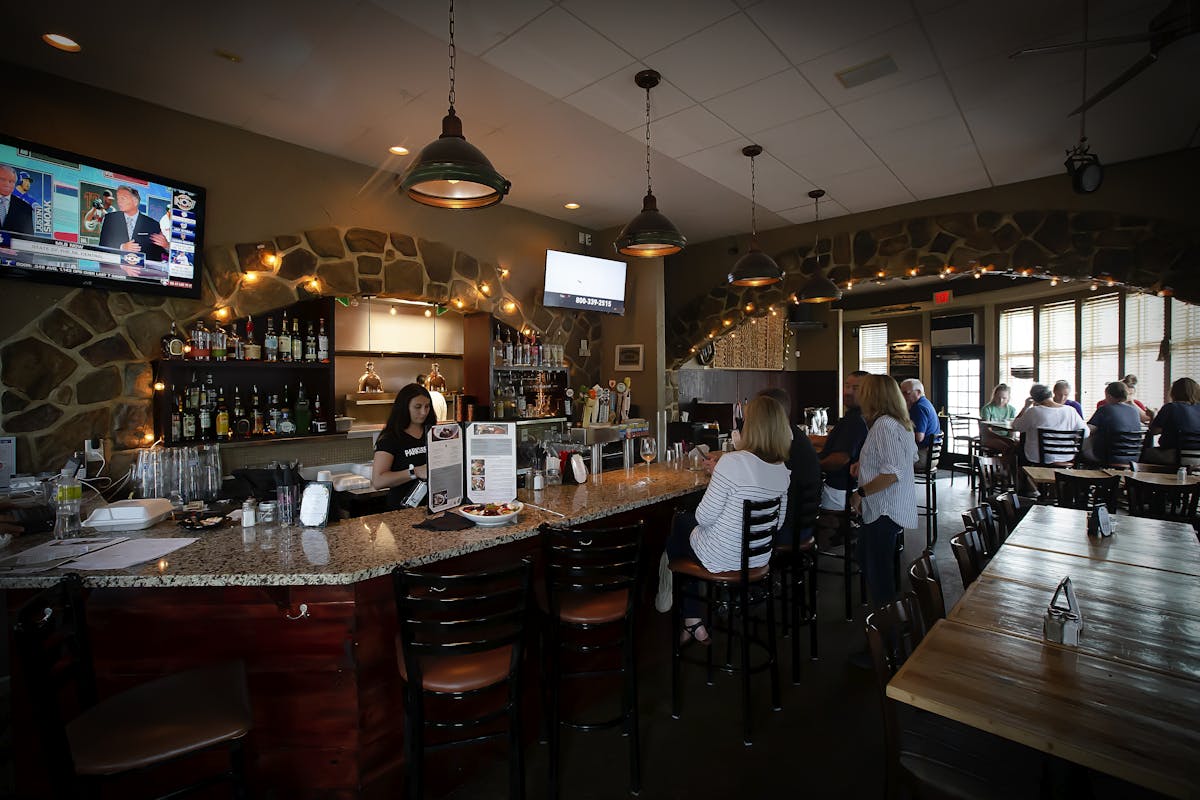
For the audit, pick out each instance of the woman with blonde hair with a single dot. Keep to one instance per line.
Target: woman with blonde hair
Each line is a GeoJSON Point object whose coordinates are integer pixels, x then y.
{"type": "Point", "coordinates": [712, 536]}
{"type": "Point", "coordinates": [885, 483]}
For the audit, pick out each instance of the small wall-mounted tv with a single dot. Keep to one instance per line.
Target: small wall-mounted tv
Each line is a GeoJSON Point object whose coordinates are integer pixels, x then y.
{"type": "Point", "coordinates": [585, 283]}
{"type": "Point", "coordinates": [80, 221]}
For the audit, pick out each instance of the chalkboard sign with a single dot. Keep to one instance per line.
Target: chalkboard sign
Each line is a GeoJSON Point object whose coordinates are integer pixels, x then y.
{"type": "Point", "coordinates": [904, 360]}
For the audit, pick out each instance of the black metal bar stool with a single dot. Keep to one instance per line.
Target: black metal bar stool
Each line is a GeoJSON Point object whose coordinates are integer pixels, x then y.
{"type": "Point", "coordinates": [591, 590]}
{"type": "Point", "coordinates": [926, 475]}
{"type": "Point", "coordinates": [797, 569]}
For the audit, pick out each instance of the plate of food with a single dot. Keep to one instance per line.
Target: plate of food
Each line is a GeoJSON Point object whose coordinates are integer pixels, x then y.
{"type": "Point", "coordinates": [199, 521]}
{"type": "Point", "coordinates": [487, 514]}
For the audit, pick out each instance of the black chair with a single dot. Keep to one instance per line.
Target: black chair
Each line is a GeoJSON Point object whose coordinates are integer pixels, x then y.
{"type": "Point", "coordinates": [149, 725]}
{"type": "Point", "coordinates": [971, 443]}
{"type": "Point", "coordinates": [796, 565]}
{"type": "Point", "coordinates": [591, 590]}
{"type": "Point", "coordinates": [926, 582]}
{"type": "Point", "coordinates": [1058, 447]}
{"type": "Point", "coordinates": [995, 476]}
{"type": "Point", "coordinates": [1124, 448]}
{"type": "Point", "coordinates": [1175, 503]}
{"type": "Point", "coordinates": [925, 475]}
{"type": "Point", "coordinates": [461, 637]}
{"type": "Point", "coordinates": [760, 522]}
{"type": "Point", "coordinates": [1188, 453]}
{"type": "Point", "coordinates": [983, 519]}
{"type": "Point", "coordinates": [893, 633]}
{"type": "Point", "coordinates": [971, 554]}
{"type": "Point", "coordinates": [839, 530]}
{"type": "Point", "coordinates": [1086, 493]}
{"type": "Point", "coordinates": [1010, 509]}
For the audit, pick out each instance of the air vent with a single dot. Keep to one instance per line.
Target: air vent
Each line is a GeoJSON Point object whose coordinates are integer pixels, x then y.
{"type": "Point", "coordinates": [865, 73]}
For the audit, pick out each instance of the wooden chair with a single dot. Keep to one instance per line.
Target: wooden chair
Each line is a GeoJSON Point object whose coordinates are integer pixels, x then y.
{"type": "Point", "coordinates": [1074, 491]}
{"type": "Point", "coordinates": [925, 475]}
{"type": "Point", "coordinates": [591, 586]}
{"type": "Point", "coordinates": [995, 476]}
{"type": "Point", "coordinates": [983, 519]}
{"type": "Point", "coordinates": [149, 725]}
{"type": "Point", "coordinates": [971, 554]}
{"type": "Point", "coordinates": [1177, 503]}
{"type": "Point", "coordinates": [927, 586]}
{"type": "Point", "coordinates": [760, 522]}
{"type": "Point", "coordinates": [461, 637]}
{"type": "Point", "coordinates": [1058, 448]}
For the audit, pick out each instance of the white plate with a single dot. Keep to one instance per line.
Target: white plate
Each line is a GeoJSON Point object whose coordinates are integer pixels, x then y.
{"type": "Point", "coordinates": [488, 522]}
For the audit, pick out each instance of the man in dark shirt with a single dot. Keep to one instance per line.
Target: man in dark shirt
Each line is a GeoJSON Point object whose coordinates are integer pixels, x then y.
{"type": "Point", "coordinates": [804, 491]}
{"type": "Point", "coordinates": [921, 412]}
{"type": "Point", "coordinates": [842, 446]}
{"type": "Point", "coordinates": [1117, 415]}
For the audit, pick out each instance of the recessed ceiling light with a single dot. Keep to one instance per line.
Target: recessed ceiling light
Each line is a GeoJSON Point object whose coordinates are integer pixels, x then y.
{"type": "Point", "coordinates": [62, 42]}
{"type": "Point", "coordinates": [398, 150]}
{"type": "Point", "coordinates": [571, 206]}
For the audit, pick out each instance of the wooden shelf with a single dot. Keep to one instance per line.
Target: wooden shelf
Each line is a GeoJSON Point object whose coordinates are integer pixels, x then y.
{"type": "Point", "coordinates": [391, 354]}
{"type": "Point", "coordinates": [184, 363]}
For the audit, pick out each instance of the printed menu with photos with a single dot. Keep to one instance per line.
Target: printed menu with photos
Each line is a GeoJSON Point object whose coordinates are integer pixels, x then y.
{"type": "Point", "coordinates": [445, 447]}
{"type": "Point", "coordinates": [491, 462]}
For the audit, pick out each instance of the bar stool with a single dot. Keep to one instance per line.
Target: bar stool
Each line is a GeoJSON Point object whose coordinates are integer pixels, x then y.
{"type": "Point", "coordinates": [797, 566]}
{"type": "Point", "coordinates": [149, 725]}
{"type": "Point", "coordinates": [926, 475]}
{"type": "Point", "coordinates": [760, 521]}
{"type": "Point", "coordinates": [591, 586]}
{"type": "Point", "coordinates": [461, 637]}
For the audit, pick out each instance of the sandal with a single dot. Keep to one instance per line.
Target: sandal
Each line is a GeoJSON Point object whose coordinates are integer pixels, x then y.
{"type": "Point", "coordinates": [690, 634]}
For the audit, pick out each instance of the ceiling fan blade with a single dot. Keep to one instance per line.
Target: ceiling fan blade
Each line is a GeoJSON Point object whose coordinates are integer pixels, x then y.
{"type": "Point", "coordinates": [1070, 46]}
{"type": "Point", "coordinates": [1122, 79]}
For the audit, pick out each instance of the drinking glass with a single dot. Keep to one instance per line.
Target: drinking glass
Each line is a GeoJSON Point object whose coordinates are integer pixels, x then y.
{"type": "Point", "coordinates": [649, 451]}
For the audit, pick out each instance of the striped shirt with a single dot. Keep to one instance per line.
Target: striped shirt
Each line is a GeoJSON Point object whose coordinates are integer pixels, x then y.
{"type": "Point", "coordinates": [738, 476]}
{"type": "Point", "coordinates": [889, 450]}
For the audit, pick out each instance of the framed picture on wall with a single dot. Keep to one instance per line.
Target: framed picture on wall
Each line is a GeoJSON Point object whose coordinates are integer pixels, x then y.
{"type": "Point", "coordinates": [628, 358]}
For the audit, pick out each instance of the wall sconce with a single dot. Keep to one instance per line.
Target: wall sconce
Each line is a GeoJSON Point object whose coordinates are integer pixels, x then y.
{"type": "Point", "coordinates": [263, 258]}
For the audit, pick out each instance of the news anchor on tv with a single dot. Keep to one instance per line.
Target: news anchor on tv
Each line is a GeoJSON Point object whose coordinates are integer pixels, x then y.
{"type": "Point", "coordinates": [15, 214]}
{"type": "Point", "coordinates": [131, 230]}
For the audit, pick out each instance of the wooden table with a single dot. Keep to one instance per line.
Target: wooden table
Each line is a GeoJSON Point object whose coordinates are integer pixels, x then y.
{"type": "Point", "coordinates": [1126, 700]}
{"type": "Point", "coordinates": [1045, 475]}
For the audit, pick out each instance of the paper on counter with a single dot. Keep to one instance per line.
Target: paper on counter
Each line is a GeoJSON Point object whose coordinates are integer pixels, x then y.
{"type": "Point", "coordinates": [52, 554]}
{"type": "Point", "coordinates": [128, 553]}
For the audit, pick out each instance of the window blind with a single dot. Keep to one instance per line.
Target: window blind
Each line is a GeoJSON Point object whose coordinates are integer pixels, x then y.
{"type": "Point", "coordinates": [1145, 316]}
{"type": "Point", "coordinates": [872, 348]}
{"type": "Point", "coordinates": [1016, 352]}
{"type": "Point", "coordinates": [1099, 348]}
{"type": "Point", "coordinates": [1185, 341]}
{"type": "Point", "coordinates": [1056, 344]}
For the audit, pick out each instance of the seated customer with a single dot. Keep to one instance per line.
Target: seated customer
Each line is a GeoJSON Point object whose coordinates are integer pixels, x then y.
{"type": "Point", "coordinates": [1042, 412]}
{"type": "Point", "coordinates": [712, 535]}
{"type": "Point", "coordinates": [1179, 417]}
{"type": "Point", "coordinates": [998, 409]}
{"type": "Point", "coordinates": [804, 491]}
{"type": "Point", "coordinates": [1130, 382]}
{"type": "Point", "coordinates": [1117, 415]}
{"type": "Point", "coordinates": [1062, 396]}
{"type": "Point", "coordinates": [924, 418]}
{"type": "Point", "coordinates": [842, 446]}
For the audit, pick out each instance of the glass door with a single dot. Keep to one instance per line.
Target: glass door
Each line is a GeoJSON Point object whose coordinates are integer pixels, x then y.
{"type": "Point", "coordinates": [958, 390]}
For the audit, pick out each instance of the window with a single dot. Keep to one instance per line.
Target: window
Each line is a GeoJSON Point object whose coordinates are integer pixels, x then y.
{"type": "Point", "coordinates": [1056, 344]}
{"type": "Point", "coordinates": [1100, 348]}
{"type": "Point", "coordinates": [1185, 341]}
{"type": "Point", "coordinates": [1016, 352]}
{"type": "Point", "coordinates": [1144, 317]}
{"type": "Point", "coordinates": [872, 349]}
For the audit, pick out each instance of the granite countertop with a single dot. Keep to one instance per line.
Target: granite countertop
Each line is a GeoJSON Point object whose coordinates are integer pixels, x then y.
{"type": "Point", "coordinates": [365, 547]}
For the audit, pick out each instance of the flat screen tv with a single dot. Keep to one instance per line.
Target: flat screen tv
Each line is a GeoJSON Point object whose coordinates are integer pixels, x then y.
{"type": "Point", "coordinates": [77, 220]}
{"type": "Point", "coordinates": [585, 283]}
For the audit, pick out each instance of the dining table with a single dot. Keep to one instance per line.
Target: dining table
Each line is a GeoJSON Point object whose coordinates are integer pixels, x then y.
{"type": "Point", "coordinates": [1044, 476]}
{"type": "Point", "coordinates": [1123, 701]}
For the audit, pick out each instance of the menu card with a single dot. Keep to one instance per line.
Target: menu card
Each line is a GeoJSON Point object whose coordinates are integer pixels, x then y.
{"type": "Point", "coordinates": [445, 447]}
{"type": "Point", "coordinates": [492, 461]}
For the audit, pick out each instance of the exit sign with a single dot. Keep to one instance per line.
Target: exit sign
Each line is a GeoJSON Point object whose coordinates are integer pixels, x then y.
{"type": "Point", "coordinates": [943, 297]}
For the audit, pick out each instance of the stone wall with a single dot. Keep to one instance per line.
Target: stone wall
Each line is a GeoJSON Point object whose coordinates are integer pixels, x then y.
{"type": "Point", "coordinates": [82, 368]}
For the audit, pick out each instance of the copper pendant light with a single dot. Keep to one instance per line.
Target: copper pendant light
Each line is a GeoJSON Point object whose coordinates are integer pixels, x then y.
{"type": "Point", "coordinates": [756, 268]}
{"type": "Point", "coordinates": [650, 234]}
{"type": "Point", "coordinates": [819, 288]}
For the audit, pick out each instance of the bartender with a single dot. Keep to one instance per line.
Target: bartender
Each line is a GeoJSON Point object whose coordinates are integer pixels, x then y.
{"type": "Point", "coordinates": [401, 455]}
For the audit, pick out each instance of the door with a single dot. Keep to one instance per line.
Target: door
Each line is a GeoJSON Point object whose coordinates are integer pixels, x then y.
{"type": "Point", "coordinates": [958, 389]}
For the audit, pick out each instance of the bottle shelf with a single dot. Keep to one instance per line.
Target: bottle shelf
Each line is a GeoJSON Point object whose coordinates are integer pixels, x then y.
{"type": "Point", "coordinates": [198, 365]}
{"type": "Point", "coordinates": [397, 354]}
{"type": "Point", "coordinates": [523, 368]}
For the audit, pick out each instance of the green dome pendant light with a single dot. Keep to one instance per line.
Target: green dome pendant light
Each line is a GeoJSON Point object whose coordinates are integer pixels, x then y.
{"type": "Point", "coordinates": [650, 234]}
{"type": "Point", "coordinates": [450, 172]}
{"type": "Point", "coordinates": [756, 268]}
{"type": "Point", "coordinates": [819, 288]}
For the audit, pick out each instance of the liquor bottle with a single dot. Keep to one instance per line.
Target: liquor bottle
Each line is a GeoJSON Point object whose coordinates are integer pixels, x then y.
{"type": "Point", "coordinates": [200, 342]}
{"type": "Point", "coordinates": [176, 434]}
{"type": "Point", "coordinates": [205, 413]}
{"type": "Point", "coordinates": [287, 420]}
{"type": "Point", "coordinates": [497, 349]}
{"type": "Point", "coordinates": [303, 413]}
{"type": "Point", "coordinates": [285, 341]}
{"type": "Point", "coordinates": [318, 425]}
{"type": "Point", "coordinates": [525, 352]}
{"type": "Point", "coordinates": [271, 343]}
{"type": "Point", "coordinates": [219, 339]}
{"type": "Point", "coordinates": [240, 422]}
{"type": "Point", "coordinates": [252, 348]}
{"type": "Point", "coordinates": [310, 344]}
{"type": "Point", "coordinates": [257, 428]}
{"type": "Point", "coordinates": [172, 345]}
{"type": "Point", "coordinates": [222, 417]}
{"type": "Point", "coordinates": [193, 395]}
{"type": "Point", "coordinates": [322, 344]}
{"type": "Point", "coordinates": [508, 349]}
{"type": "Point", "coordinates": [535, 352]}
{"type": "Point", "coordinates": [188, 429]}
{"type": "Point", "coordinates": [297, 342]}
{"type": "Point", "coordinates": [273, 416]}
{"type": "Point", "coordinates": [235, 350]}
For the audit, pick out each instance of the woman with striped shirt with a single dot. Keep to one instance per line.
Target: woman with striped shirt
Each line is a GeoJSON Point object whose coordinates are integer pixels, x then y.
{"type": "Point", "coordinates": [885, 483]}
{"type": "Point", "coordinates": [713, 535]}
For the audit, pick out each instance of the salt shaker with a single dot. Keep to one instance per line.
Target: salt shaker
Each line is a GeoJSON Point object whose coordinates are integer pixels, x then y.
{"type": "Point", "coordinates": [1181, 475]}
{"type": "Point", "coordinates": [249, 513]}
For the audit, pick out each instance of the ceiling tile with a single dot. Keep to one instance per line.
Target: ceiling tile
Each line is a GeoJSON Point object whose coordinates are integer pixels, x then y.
{"type": "Point", "coordinates": [901, 107]}
{"type": "Point", "coordinates": [806, 213]}
{"type": "Point", "coordinates": [905, 44]}
{"type": "Point", "coordinates": [875, 187]}
{"type": "Point", "coordinates": [768, 103]}
{"type": "Point", "coordinates": [558, 54]}
{"type": "Point", "coordinates": [805, 31]}
{"type": "Point", "coordinates": [943, 172]}
{"type": "Point", "coordinates": [725, 164]}
{"type": "Point", "coordinates": [818, 146]}
{"type": "Point", "coordinates": [618, 102]}
{"type": "Point", "coordinates": [690, 130]}
{"type": "Point", "coordinates": [478, 24]}
{"type": "Point", "coordinates": [745, 56]}
{"type": "Point", "coordinates": [642, 28]}
{"type": "Point", "coordinates": [779, 187]}
{"type": "Point", "coordinates": [928, 137]}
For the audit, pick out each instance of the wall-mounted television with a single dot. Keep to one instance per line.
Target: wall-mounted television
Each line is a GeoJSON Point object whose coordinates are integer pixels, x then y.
{"type": "Point", "coordinates": [585, 283]}
{"type": "Point", "coordinates": [80, 221]}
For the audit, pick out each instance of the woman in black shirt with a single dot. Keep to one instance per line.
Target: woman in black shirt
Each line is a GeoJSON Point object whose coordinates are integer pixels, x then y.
{"type": "Point", "coordinates": [401, 456]}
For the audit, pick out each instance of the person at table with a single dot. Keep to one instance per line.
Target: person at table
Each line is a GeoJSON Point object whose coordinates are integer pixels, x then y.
{"type": "Point", "coordinates": [998, 409]}
{"type": "Point", "coordinates": [885, 479]}
{"type": "Point", "coordinates": [1130, 382]}
{"type": "Point", "coordinates": [1176, 419]}
{"type": "Point", "coordinates": [401, 456]}
{"type": "Point", "coordinates": [804, 488]}
{"type": "Point", "coordinates": [1041, 411]}
{"type": "Point", "coordinates": [712, 535]}
{"type": "Point", "coordinates": [925, 424]}
{"type": "Point", "coordinates": [1062, 396]}
{"type": "Point", "coordinates": [1115, 415]}
{"type": "Point", "coordinates": [842, 446]}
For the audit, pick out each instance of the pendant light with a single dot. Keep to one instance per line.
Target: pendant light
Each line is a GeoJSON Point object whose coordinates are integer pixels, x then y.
{"type": "Point", "coordinates": [450, 172]}
{"type": "Point", "coordinates": [819, 288]}
{"type": "Point", "coordinates": [756, 268]}
{"type": "Point", "coordinates": [649, 234]}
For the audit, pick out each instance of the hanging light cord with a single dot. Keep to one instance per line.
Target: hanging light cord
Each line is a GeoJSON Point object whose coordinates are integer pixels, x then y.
{"type": "Point", "coordinates": [753, 203]}
{"type": "Point", "coordinates": [1083, 113]}
{"type": "Point", "coordinates": [816, 228]}
{"type": "Point", "coordinates": [368, 324]}
{"type": "Point", "coordinates": [452, 55]}
{"type": "Point", "coordinates": [649, 188]}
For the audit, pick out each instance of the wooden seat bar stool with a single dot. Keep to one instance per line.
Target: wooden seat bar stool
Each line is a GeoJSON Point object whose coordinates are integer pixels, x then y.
{"type": "Point", "coordinates": [461, 637]}
{"type": "Point", "coordinates": [760, 521]}
{"type": "Point", "coordinates": [591, 590]}
{"type": "Point", "coordinates": [146, 726]}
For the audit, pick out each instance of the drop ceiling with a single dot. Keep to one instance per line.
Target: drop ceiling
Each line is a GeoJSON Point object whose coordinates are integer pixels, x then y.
{"type": "Point", "coordinates": [546, 90]}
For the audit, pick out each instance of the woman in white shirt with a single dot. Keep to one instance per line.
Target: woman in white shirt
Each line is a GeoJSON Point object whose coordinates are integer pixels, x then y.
{"type": "Point", "coordinates": [885, 483]}
{"type": "Point", "coordinates": [713, 535]}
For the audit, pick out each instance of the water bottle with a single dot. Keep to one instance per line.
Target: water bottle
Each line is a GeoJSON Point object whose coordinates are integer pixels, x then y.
{"type": "Point", "coordinates": [67, 499]}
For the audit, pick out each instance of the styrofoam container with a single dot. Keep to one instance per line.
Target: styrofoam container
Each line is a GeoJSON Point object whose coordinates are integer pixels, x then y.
{"type": "Point", "coordinates": [129, 515]}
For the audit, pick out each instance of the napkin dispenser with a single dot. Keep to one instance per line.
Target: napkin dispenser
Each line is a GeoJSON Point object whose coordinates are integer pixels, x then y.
{"type": "Point", "coordinates": [1063, 625]}
{"type": "Point", "coordinates": [1100, 522]}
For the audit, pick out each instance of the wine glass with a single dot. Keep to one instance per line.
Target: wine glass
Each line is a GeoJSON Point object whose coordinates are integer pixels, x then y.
{"type": "Point", "coordinates": [649, 451]}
